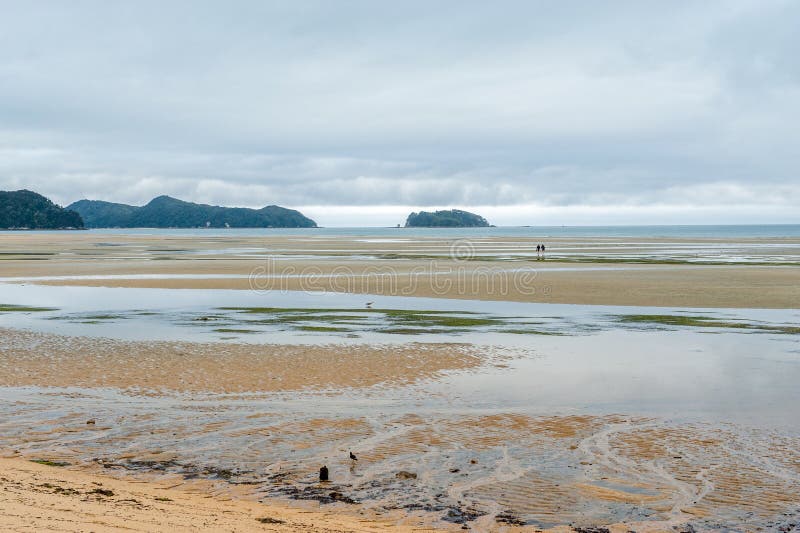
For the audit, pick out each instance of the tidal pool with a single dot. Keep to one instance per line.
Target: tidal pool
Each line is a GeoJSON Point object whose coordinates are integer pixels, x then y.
{"type": "Point", "coordinates": [315, 317]}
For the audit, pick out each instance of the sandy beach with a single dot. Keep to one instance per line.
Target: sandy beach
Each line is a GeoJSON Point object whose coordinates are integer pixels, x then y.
{"type": "Point", "coordinates": [680, 473]}
{"type": "Point", "coordinates": [45, 498]}
{"type": "Point", "coordinates": [355, 267]}
{"type": "Point", "coordinates": [472, 403]}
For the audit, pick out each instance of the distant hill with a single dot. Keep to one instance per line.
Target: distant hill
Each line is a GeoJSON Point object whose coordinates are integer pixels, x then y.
{"type": "Point", "coordinates": [29, 210]}
{"type": "Point", "coordinates": [97, 214]}
{"type": "Point", "coordinates": [452, 218]}
{"type": "Point", "coordinates": [168, 212]}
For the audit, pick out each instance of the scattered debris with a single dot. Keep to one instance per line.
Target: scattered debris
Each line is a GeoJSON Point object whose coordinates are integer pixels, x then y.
{"type": "Point", "coordinates": [462, 516]}
{"type": "Point", "coordinates": [269, 520]}
{"type": "Point", "coordinates": [321, 494]}
{"type": "Point", "coordinates": [508, 517]}
{"type": "Point", "coordinates": [48, 462]}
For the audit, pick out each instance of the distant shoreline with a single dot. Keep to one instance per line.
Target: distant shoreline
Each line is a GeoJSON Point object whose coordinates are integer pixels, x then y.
{"type": "Point", "coordinates": [697, 231]}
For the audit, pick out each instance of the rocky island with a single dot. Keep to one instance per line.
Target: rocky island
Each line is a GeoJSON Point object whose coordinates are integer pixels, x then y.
{"type": "Point", "coordinates": [451, 218]}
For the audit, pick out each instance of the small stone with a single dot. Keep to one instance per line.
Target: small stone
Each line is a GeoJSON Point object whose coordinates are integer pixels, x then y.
{"type": "Point", "coordinates": [403, 474]}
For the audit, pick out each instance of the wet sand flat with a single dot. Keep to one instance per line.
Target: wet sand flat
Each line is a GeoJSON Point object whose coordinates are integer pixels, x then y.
{"type": "Point", "coordinates": [37, 359]}
{"type": "Point", "coordinates": [721, 287]}
{"type": "Point", "coordinates": [595, 417]}
{"type": "Point", "coordinates": [46, 498]}
{"type": "Point", "coordinates": [508, 471]}
{"type": "Point", "coordinates": [759, 273]}
{"type": "Point", "coordinates": [538, 448]}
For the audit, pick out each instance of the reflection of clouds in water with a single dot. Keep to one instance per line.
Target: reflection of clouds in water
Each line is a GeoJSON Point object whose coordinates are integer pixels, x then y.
{"type": "Point", "coordinates": [480, 437]}
{"type": "Point", "coordinates": [167, 314]}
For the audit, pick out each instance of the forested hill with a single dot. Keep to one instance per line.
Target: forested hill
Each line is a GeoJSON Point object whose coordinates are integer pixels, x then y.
{"type": "Point", "coordinates": [29, 210]}
{"type": "Point", "coordinates": [452, 218]}
{"type": "Point", "coordinates": [167, 212]}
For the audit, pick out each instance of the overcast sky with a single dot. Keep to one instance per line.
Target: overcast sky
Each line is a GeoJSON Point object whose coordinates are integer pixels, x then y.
{"type": "Point", "coordinates": [358, 112]}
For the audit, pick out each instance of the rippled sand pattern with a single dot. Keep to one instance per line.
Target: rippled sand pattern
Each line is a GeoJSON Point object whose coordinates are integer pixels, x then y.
{"type": "Point", "coordinates": [546, 501]}
{"type": "Point", "coordinates": [489, 470]}
{"type": "Point", "coordinates": [588, 470]}
{"type": "Point", "coordinates": [306, 434]}
{"type": "Point", "coordinates": [482, 433]}
{"type": "Point", "coordinates": [46, 360]}
{"type": "Point", "coordinates": [725, 475]}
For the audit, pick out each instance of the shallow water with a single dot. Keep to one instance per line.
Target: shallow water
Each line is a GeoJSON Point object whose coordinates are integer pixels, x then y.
{"type": "Point", "coordinates": [197, 315]}
{"type": "Point", "coordinates": [576, 358]}
{"type": "Point", "coordinates": [519, 444]}
{"type": "Point", "coordinates": [605, 422]}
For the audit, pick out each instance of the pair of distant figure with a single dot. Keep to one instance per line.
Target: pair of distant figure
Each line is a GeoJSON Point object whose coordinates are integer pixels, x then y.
{"type": "Point", "coordinates": [540, 251]}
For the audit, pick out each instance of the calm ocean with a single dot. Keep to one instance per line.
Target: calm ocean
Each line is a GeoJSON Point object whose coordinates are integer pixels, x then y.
{"type": "Point", "coordinates": [721, 231]}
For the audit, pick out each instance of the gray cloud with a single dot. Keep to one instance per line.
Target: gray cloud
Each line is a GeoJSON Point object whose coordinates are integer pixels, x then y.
{"type": "Point", "coordinates": [574, 109]}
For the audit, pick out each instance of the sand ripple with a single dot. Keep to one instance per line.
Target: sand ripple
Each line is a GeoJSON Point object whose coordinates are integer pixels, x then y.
{"type": "Point", "coordinates": [46, 360]}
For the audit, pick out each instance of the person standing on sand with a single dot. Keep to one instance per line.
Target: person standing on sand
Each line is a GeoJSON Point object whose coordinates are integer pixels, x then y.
{"type": "Point", "coordinates": [538, 250]}
{"type": "Point", "coordinates": [542, 251]}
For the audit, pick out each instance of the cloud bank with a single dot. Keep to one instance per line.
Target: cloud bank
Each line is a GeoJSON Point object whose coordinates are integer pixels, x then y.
{"type": "Point", "coordinates": [357, 112]}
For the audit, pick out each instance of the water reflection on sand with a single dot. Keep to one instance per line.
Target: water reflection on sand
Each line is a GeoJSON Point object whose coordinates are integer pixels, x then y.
{"type": "Point", "coordinates": [601, 423]}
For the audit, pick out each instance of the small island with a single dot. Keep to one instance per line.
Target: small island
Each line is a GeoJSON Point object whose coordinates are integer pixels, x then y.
{"type": "Point", "coordinates": [450, 218]}
{"type": "Point", "coordinates": [28, 210]}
